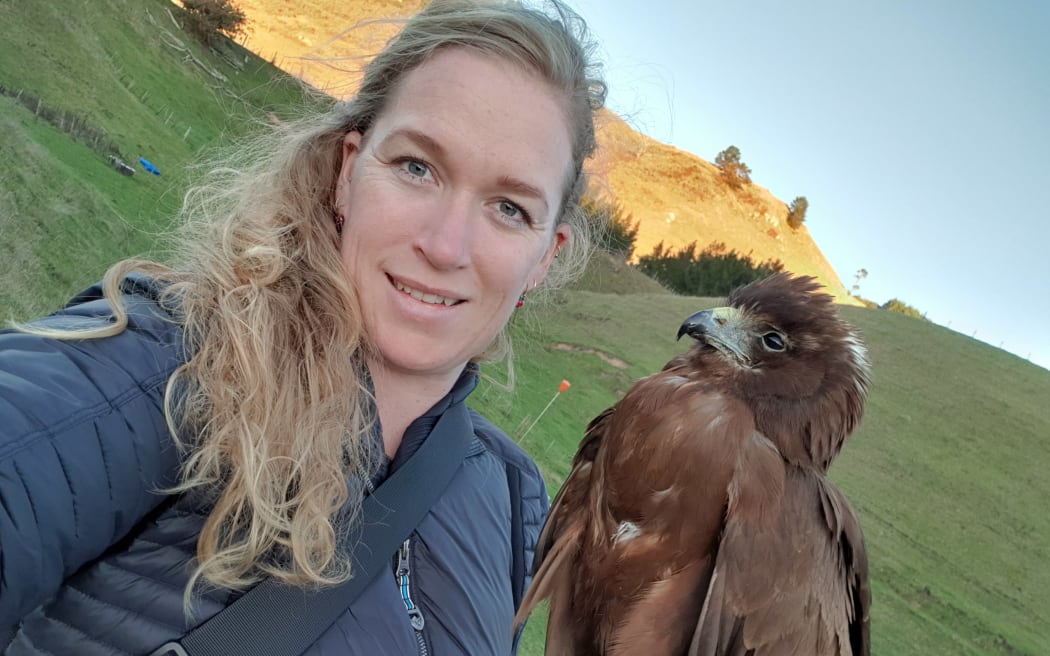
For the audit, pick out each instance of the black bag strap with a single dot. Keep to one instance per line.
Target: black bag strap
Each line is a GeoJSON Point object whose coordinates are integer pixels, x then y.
{"type": "Point", "coordinates": [283, 620]}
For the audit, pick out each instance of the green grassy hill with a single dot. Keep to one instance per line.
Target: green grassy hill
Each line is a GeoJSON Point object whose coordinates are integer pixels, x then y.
{"type": "Point", "coordinates": [947, 470]}
{"type": "Point", "coordinates": [122, 68]}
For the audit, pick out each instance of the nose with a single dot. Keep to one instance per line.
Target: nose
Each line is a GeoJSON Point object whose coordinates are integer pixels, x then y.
{"type": "Point", "coordinates": [446, 234]}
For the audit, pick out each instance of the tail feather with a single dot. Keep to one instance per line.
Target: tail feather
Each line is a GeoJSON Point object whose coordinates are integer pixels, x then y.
{"type": "Point", "coordinates": [553, 572]}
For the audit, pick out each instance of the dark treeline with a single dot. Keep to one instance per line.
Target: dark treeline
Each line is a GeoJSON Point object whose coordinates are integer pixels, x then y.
{"type": "Point", "coordinates": [713, 271]}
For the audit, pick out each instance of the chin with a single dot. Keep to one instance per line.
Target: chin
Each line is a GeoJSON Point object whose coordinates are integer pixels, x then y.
{"type": "Point", "coordinates": [423, 362]}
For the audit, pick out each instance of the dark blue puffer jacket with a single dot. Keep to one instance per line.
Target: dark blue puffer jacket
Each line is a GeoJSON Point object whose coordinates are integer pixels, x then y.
{"type": "Point", "coordinates": [94, 561]}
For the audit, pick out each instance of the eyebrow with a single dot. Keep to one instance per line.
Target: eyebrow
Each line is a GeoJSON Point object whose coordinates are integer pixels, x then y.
{"type": "Point", "coordinates": [525, 189]}
{"type": "Point", "coordinates": [421, 139]}
{"type": "Point", "coordinates": [431, 145]}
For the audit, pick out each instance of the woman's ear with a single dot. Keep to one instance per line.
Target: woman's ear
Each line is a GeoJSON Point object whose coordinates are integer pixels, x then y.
{"type": "Point", "coordinates": [562, 234]}
{"type": "Point", "coordinates": [351, 147]}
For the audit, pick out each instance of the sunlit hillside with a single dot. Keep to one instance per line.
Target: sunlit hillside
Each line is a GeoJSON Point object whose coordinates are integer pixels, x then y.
{"type": "Point", "coordinates": [676, 196]}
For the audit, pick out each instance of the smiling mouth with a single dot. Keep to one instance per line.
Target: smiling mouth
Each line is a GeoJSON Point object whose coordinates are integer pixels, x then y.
{"type": "Point", "coordinates": [431, 299]}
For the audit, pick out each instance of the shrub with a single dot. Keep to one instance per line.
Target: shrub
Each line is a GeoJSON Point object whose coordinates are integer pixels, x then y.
{"type": "Point", "coordinates": [734, 172]}
{"type": "Point", "coordinates": [797, 212]}
{"type": "Point", "coordinates": [210, 20]}
{"type": "Point", "coordinates": [897, 305]}
{"type": "Point", "coordinates": [714, 271]}
{"type": "Point", "coordinates": [614, 232]}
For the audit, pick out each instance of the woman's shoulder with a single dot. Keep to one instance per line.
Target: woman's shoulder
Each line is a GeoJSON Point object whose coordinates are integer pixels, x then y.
{"type": "Point", "coordinates": [49, 371]}
{"type": "Point", "coordinates": [527, 487]}
{"type": "Point", "coordinates": [141, 296]}
{"type": "Point", "coordinates": [85, 445]}
{"type": "Point", "coordinates": [499, 443]}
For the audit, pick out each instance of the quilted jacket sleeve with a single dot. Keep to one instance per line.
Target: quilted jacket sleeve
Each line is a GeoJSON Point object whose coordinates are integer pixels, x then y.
{"type": "Point", "coordinates": [530, 502]}
{"type": "Point", "coordinates": [83, 442]}
{"type": "Point", "coordinates": [524, 475]}
{"type": "Point", "coordinates": [535, 503]}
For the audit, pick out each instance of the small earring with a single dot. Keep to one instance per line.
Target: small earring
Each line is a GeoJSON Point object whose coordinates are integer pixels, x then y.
{"type": "Point", "coordinates": [521, 300]}
{"type": "Point", "coordinates": [339, 221]}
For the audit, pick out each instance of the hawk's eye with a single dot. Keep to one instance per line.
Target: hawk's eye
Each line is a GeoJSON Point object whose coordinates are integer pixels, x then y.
{"type": "Point", "coordinates": [773, 341]}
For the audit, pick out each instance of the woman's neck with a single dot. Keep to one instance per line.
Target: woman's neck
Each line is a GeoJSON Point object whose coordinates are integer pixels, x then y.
{"type": "Point", "coordinates": [401, 397]}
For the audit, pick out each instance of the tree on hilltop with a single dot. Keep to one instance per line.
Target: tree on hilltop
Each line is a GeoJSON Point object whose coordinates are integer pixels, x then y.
{"type": "Point", "coordinates": [210, 20]}
{"type": "Point", "coordinates": [735, 172]}
{"type": "Point", "coordinates": [857, 277]}
{"type": "Point", "coordinates": [797, 212]}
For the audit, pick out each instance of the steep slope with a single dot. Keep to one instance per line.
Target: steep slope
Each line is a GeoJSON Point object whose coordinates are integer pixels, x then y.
{"type": "Point", "coordinates": [679, 198]}
{"type": "Point", "coordinates": [676, 196]}
{"type": "Point", "coordinates": [122, 78]}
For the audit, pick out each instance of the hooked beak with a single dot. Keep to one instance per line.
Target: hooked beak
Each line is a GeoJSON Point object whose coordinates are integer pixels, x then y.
{"type": "Point", "coordinates": [706, 322]}
{"type": "Point", "coordinates": [721, 328]}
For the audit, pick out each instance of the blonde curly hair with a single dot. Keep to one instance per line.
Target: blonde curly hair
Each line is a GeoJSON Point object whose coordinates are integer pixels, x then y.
{"type": "Point", "coordinates": [272, 408]}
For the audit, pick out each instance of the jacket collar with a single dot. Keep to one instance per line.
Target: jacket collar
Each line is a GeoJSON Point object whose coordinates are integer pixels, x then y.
{"type": "Point", "coordinates": [421, 427]}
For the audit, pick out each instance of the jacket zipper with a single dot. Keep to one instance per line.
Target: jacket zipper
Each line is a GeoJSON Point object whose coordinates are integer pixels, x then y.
{"type": "Point", "coordinates": [415, 615]}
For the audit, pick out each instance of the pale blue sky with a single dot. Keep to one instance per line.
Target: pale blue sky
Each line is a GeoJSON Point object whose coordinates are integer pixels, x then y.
{"type": "Point", "coordinates": [918, 131]}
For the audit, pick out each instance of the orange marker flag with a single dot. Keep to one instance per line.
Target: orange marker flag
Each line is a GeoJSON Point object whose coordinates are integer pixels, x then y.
{"type": "Point", "coordinates": [561, 388]}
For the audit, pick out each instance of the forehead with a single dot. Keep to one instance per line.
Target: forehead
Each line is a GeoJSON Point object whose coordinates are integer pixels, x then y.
{"type": "Point", "coordinates": [460, 66]}
{"type": "Point", "coordinates": [485, 104]}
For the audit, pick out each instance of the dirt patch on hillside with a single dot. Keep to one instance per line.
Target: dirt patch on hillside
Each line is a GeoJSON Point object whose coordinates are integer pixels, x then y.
{"type": "Point", "coordinates": [602, 355]}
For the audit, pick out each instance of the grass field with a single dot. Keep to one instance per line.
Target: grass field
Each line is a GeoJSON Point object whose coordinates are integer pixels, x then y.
{"type": "Point", "coordinates": [65, 213]}
{"type": "Point", "coordinates": [947, 471]}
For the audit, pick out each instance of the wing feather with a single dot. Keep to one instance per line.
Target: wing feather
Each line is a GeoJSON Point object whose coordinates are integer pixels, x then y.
{"type": "Point", "coordinates": [559, 543]}
{"type": "Point", "coordinates": [660, 578]}
{"type": "Point", "coordinates": [789, 583]}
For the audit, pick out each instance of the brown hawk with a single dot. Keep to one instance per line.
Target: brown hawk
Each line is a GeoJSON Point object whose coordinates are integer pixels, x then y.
{"type": "Point", "coordinates": [698, 517]}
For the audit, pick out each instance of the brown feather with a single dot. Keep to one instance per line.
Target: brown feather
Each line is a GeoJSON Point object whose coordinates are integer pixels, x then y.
{"type": "Point", "coordinates": [697, 517]}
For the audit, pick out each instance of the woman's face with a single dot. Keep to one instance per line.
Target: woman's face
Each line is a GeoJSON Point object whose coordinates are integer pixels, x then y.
{"type": "Point", "coordinates": [451, 202]}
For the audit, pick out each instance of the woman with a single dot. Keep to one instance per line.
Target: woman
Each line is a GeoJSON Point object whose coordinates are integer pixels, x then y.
{"type": "Point", "coordinates": [331, 301]}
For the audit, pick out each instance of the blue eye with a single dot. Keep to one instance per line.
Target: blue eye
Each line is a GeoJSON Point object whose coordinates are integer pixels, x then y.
{"type": "Point", "coordinates": [514, 213]}
{"type": "Point", "coordinates": [415, 168]}
{"type": "Point", "coordinates": [510, 209]}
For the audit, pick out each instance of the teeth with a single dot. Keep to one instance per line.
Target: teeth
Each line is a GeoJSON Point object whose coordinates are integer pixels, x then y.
{"type": "Point", "coordinates": [432, 299]}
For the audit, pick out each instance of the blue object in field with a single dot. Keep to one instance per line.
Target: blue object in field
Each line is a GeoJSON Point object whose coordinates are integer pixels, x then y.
{"type": "Point", "coordinates": [148, 165]}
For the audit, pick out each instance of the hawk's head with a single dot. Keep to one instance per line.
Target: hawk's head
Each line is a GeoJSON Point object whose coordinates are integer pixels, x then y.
{"type": "Point", "coordinates": [782, 347]}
